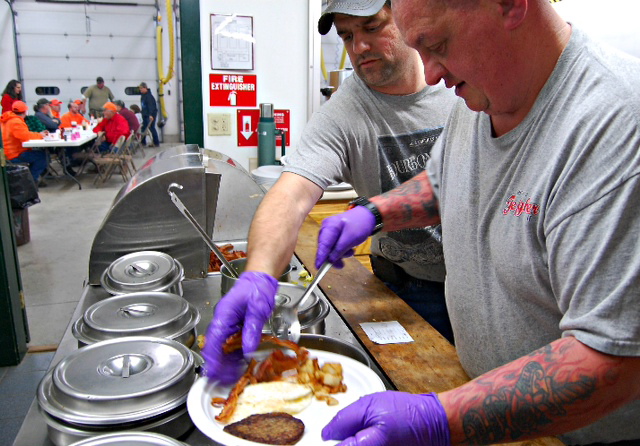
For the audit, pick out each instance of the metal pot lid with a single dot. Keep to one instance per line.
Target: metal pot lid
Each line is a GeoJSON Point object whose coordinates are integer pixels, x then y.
{"type": "Point", "coordinates": [142, 271]}
{"type": "Point", "coordinates": [130, 439]}
{"type": "Point", "coordinates": [287, 291]}
{"type": "Point", "coordinates": [118, 381]}
{"type": "Point", "coordinates": [160, 314]}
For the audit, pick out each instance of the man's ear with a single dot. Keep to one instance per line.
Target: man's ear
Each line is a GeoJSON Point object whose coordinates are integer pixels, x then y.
{"type": "Point", "coordinates": [513, 12]}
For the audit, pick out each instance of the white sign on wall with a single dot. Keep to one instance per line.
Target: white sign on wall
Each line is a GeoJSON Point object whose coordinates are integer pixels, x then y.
{"type": "Point", "coordinates": [231, 42]}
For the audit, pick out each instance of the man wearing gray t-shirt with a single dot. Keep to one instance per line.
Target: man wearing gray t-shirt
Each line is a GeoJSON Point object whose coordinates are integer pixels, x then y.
{"type": "Point", "coordinates": [535, 180]}
{"type": "Point", "coordinates": [375, 132]}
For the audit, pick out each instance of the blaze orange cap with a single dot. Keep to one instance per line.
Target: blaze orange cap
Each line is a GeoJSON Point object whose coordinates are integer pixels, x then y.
{"type": "Point", "coordinates": [78, 101]}
{"type": "Point", "coordinates": [110, 106]}
{"type": "Point", "coordinates": [19, 107]}
{"type": "Point", "coordinates": [55, 102]}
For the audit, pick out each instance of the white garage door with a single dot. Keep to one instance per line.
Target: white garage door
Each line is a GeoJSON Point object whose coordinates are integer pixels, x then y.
{"type": "Point", "coordinates": [64, 46]}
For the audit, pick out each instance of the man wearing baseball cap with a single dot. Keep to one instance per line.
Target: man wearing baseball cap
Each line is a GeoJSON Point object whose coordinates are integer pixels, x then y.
{"type": "Point", "coordinates": [55, 107]}
{"type": "Point", "coordinates": [14, 133]}
{"type": "Point", "coordinates": [113, 125]}
{"type": "Point", "coordinates": [375, 132]}
{"type": "Point", "coordinates": [98, 95]}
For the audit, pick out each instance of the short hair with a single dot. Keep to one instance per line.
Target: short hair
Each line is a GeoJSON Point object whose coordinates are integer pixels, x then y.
{"type": "Point", "coordinates": [119, 103]}
{"type": "Point", "coordinates": [99, 80]}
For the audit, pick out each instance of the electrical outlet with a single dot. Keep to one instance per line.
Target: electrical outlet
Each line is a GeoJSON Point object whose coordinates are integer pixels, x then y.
{"type": "Point", "coordinates": [219, 124]}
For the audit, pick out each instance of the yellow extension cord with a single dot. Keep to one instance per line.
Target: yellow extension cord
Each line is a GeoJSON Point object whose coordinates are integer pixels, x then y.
{"type": "Point", "coordinates": [165, 78]}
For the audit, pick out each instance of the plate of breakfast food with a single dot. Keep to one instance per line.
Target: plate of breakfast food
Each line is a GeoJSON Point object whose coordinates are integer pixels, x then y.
{"type": "Point", "coordinates": [284, 397]}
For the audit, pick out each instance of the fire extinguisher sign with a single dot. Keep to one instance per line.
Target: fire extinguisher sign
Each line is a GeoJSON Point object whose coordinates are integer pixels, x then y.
{"type": "Point", "coordinates": [233, 90]}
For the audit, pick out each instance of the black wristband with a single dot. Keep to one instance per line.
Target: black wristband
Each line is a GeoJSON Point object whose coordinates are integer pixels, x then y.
{"type": "Point", "coordinates": [364, 201]}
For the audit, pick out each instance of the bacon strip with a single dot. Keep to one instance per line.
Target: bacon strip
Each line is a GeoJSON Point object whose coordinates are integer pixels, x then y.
{"type": "Point", "coordinates": [272, 368]}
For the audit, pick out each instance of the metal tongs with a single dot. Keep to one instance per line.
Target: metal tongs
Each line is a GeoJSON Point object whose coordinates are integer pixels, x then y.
{"type": "Point", "coordinates": [284, 322]}
{"type": "Point", "coordinates": [184, 211]}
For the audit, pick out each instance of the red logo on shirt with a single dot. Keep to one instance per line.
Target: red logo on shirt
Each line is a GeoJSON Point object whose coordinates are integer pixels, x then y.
{"type": "Point", "coordinates": [521, 206]}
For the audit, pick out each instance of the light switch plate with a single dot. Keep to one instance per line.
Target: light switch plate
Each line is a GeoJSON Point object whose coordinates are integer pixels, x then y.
{"type": "Point", "coordinates": [219, 124]}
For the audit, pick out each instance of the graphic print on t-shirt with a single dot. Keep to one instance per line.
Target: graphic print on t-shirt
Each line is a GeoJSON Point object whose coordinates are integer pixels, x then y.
{"type": "Point", "coordinates": [401, 158]}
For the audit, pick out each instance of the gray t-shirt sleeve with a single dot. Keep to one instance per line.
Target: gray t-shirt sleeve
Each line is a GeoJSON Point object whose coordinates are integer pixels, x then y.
{"type": "Point", "coordinates": [323, 160]}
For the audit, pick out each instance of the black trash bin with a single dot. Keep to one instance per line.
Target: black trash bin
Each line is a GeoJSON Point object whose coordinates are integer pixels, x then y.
{"type": "Point", "coordinates": [23, 194]}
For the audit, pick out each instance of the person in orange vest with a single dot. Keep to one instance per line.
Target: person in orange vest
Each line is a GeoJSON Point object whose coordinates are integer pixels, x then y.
{"type": "Point", "coordinates": [55, 108]}
{"type": "Point", "coordinates": [14, 133]}
{"type": "Point", "coordinates": [113, 125]}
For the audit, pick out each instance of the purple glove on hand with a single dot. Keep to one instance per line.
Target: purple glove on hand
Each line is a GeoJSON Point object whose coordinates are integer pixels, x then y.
{"type": "Point", "coordinates": [340, 233]}
{"type": "Point", "coordinates": [391, 418]}
{"type": "Point", "coordinates": [247, 306]}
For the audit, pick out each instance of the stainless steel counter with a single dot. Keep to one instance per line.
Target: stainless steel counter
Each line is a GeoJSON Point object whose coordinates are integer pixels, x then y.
{"type": "Point", "coordinates": [204, 294]}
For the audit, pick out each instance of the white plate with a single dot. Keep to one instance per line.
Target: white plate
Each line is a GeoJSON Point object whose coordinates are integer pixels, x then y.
{"type": "Point", "coordinates": [339, 187]}
{"type": "Point", "coordinates": [359, 378]}
{"type": "Point", "coordinates": [272, 172]}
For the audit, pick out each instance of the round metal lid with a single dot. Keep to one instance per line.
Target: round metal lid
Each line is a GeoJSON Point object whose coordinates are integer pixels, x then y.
{"type": "Point", "coordinates": [287, 291]}
{"type": "Point", "coordinates": [142, 271]}
{"type": "Point", "coordinates": [130, 439]}
{"type": "Point", "coordinates": [118, 381]}
{"type": "Point", "coordinates": [150, 313]}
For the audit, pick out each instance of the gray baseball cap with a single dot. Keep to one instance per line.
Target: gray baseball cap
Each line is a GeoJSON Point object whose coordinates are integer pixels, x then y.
{"type": "Point", "coordinates": [361, 8]}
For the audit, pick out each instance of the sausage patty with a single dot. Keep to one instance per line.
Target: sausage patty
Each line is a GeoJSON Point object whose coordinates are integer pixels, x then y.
{"type": "Point", "coordinates": [269, 428]}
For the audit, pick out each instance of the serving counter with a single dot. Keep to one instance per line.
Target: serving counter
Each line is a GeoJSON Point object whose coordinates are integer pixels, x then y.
{"type": "Point", "coordinates": [429, 364]}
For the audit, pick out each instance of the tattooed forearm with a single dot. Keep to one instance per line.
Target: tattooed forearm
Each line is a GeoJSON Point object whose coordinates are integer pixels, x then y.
{"type": "Point", "coordinates": [560, 387]}
{"type": "Point", "coordinates": [522, 410]}
{"type": "Point", "coordinates": [410, 205]}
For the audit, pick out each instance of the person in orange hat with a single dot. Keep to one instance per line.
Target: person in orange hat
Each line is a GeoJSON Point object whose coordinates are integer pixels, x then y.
{"type": "Point", "coordinates": [113, 125]}
{"type": "Point", "coordinates": [55, 107]}
{"type": "Point", "coordinates": [81, 106]}
{"type": "Point", "coordinates": [14, 133]}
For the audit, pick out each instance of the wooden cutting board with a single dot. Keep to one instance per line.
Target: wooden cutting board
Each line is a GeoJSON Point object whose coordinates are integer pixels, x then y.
{"type": "Point", "coordinates": [429, 364]}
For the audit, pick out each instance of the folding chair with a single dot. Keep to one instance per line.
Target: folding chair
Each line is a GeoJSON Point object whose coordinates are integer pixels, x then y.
{"type": "Point", "coordinates": [116, 158]}
{"type": "Point", "coordinates": [90, 154]}
{"type": "Point", "coordinates": [136, 143]}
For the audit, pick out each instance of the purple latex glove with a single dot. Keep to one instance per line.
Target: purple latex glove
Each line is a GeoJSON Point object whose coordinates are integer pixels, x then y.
{"type": "Point", "coordinates": [339, 234]}
{"type": "Point", "coordinates": [391, 418]}
{"type": "Point", "coordinates": [247, 306]}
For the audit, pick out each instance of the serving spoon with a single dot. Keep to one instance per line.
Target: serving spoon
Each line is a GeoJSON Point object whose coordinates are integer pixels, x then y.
{"type": "Point", "coordinates": [284, 322]}
{"type": "Point", "coordinates": [184, 211]}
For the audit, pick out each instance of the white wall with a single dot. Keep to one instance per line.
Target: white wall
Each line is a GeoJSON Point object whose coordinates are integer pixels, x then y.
{"type": "Point", "coordinates": [60, 48]}
{"type": "Point", "coordinates": [612, 21]}
{"type": "Point", "coordinates": [282, 62]}
{"type": "Point", "coordinates": [8, 69]}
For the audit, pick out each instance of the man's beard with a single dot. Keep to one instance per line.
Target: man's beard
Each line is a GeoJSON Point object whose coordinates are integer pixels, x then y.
{"type": "Point", "coordinates": [379, 76]}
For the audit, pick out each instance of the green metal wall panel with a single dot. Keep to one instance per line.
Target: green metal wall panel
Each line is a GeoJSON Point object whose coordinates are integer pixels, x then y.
{"type": "Point", "coordinates": [190, 49]}
{"type": "Point", "coordinates": [13, 323]}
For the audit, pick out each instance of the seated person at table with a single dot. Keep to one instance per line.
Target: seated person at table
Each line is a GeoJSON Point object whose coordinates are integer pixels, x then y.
{"type": "Point", "coordinates": [67, 120]}
{"type": "Point", "coordinates": [113, 125]}
{"type": "Point", "coordinates": [130, 116]}
{"type": "Point", "coordinates": [34, 124]}
{"type": "Point", "coordinates": [137, 111]}
{"type": "Point", "coordinates": [43, 113]}
{"type": "Point", "coordinates": [73, 115]}
{"type": "Point", "coordinates": [55, 108]}
{"type": "Point", "coordinates": [81, 106]}
{"type": "Point", "coordinates": [14, 133]}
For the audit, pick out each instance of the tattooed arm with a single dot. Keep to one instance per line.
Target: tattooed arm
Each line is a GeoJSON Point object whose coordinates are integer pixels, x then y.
{"type": "Point", "coordinates": [556, 389]}
{"type": "Point", "coordinates": [410, 205]}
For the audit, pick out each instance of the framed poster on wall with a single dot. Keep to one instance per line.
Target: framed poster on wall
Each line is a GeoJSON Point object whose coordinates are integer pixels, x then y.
{"type": "Point", "coordinates": [231, 42]}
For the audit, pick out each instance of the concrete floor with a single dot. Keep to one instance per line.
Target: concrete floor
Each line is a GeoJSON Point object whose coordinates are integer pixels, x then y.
{"type": "Point", "coordinates": [53, 266]}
